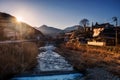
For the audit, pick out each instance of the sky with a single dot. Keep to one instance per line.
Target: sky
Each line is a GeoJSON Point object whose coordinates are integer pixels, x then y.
{"type": "Point", "coordinates": [62, 13]}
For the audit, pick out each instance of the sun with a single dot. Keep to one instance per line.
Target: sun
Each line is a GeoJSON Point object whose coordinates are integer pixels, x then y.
{"type": "Point", "coordinates": [19, 19]}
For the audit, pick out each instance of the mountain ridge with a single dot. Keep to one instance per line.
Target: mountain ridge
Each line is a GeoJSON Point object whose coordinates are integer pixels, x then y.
{"type": "Point", "coordinates": [11, 29]}
{"type": "Point", "coordinates": [49, 31]}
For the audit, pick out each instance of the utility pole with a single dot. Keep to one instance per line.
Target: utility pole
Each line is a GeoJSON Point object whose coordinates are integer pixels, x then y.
{"type": "Point", "coordinates": [116, 32]}
{"type": "Point", "coordinates": [115, 19]}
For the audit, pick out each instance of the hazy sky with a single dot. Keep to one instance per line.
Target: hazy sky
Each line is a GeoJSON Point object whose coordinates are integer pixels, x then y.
{"type": "Point", "coordinates": [61, 13]}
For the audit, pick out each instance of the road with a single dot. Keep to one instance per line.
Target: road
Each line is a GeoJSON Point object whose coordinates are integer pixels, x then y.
{"type": "Point", "coordinates": [15, 41]}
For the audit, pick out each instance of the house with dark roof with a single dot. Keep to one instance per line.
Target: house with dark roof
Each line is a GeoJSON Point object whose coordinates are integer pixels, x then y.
{"type": "Point", "coordinates": [105, 34]}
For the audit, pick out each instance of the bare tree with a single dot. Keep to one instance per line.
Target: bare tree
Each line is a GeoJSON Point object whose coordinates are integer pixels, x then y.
{"type": "Point", "coordinates": [84, 22]}
{"type": "Point", "coordinates": [115, 19]}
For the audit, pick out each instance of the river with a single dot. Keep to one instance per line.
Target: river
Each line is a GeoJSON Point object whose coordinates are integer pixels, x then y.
{"type": "Point", "coordinates": [51, 66]}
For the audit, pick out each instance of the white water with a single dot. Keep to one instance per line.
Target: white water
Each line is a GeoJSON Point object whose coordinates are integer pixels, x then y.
{"type": "Point", "coordinates": [52, 61]}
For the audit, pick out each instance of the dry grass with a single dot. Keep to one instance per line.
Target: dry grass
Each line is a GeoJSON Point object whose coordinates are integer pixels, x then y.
{"type": "Point", "coordinates": [84, 56]}
{"type": "Point", "coordinates": [17, 57]}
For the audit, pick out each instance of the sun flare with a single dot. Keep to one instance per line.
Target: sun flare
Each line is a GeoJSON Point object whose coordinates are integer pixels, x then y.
{"type": "Point", "coordinates": [19, 19]}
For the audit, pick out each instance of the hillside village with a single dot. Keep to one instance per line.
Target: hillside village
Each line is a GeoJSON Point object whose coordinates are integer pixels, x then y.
{"type": "Point", "coordinates": [99, 34]}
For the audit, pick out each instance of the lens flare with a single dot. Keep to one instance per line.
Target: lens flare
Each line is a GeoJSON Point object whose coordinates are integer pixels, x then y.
{"type": "Point", "coordinates": [19, 19]}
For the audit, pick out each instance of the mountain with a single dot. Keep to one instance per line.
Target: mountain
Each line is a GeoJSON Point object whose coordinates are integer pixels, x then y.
{"type": "Point", "coordinates": [49, 31]}
{"type": "Point", "coordinates": [72, 28]}
{"type": "Point", "coordinates": [11, 29]}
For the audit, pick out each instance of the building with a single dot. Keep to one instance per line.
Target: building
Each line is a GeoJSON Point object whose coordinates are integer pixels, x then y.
{"type": "Point", "coordinates": [104, 35]}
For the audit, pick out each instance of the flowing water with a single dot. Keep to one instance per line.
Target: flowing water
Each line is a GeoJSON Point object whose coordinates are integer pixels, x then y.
{"type": "Point", "coordinates": [50, 61]}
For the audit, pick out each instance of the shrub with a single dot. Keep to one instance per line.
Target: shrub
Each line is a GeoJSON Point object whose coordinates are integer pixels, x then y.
{"type": "Point", "coordinates": [16, 58]}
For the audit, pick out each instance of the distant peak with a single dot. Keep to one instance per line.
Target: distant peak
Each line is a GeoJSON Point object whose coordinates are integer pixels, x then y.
{"type": "Point", "coordinates": [44, 25]}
